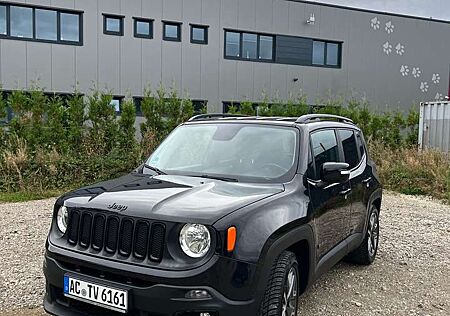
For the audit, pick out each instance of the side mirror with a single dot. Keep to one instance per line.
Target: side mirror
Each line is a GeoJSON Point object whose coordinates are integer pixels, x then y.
{"type": "Point", "coordinates": [335, 172]}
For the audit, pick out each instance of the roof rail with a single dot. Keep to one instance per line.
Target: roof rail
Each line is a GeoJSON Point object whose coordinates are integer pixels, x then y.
{"type": "Point", "coordinates": [313, 117]}
{"type": "Point", "coordinates": [213, 116]}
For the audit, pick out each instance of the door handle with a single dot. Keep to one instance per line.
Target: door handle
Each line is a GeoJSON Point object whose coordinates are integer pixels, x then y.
{"type": "Point", "coordinates": [345, 192]}
{"type": "Point", "coordinates": [367, 180]}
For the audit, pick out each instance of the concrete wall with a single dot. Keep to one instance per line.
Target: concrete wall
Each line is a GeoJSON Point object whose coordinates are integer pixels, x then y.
{"type": "Point", "coordinates": [392, 61]}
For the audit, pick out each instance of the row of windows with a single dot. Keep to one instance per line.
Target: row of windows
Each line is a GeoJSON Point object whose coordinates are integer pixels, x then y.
{"type": "Point", "coordinates": [325, 148]}
{"type": "Point", "coordinates": [40, 24]}
{"type": "Point", "coordinates": [326, 53]}
{"type": "Point", "coordinates": [249, 46]}
{"type": "Point", "coordinates": [261, 47]}
{"type": "Point", "coordinates": [143, 28]}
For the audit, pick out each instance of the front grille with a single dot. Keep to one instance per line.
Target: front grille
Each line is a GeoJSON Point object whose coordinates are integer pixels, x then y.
{"type": "Point", "coordinates": [124, 236]}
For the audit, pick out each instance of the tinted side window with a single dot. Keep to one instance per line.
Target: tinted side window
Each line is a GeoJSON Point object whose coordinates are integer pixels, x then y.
{"type": "Point", "coordinates": [324, 148]}
{"type": "Point", "coordinates": [360, 141]}
{"type": "Point", "coordinates": [350, 148]}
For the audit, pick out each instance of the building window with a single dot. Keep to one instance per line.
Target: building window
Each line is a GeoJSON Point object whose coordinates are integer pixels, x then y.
{"type": "Point", "coordinates": [20, 22]}
{"type": "Point", "coordinates": [200, 106]}
{"type": "Point", "coordinates": [70, 27]}
{"type": "Point", "coordinates": [137, 105]}
{"type": "Point", "coordinates": [113, 25]}
{"type": "Point", "coordinates": [2, 20]}
{"type": "Point", "coordinates": [266, 47]}
{"type": "Point", "coordinates": [143, 28]}
{"type": "Point", "coordinates": [46, 25]}
{"type": "Point", "coordinates": [249, 46]}
{"type": "Point", "coordinates": [199, 34]}
{"type": "Point", "coordinates": [232, 44]}
{"type": "Point", "coordinates": [326, 54]}
{"type": "Point", "coordinates": [172, 31]}
{"type": "Point", "coordinates": [116, 103]}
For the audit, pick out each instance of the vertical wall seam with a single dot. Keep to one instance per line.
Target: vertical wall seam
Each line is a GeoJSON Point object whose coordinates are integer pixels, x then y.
{"type": "Point", "coordinates": [121, 91]}
{"type": "Point", "coordinates": [75, 59]}
{"type": "Point", "coordinates": [98, 47]}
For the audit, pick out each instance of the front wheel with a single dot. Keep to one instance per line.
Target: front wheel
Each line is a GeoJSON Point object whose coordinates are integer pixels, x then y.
{"type": "Point", "coordinates": [281, 295]}
{"type": "Point", "coordinates": [365, 254]}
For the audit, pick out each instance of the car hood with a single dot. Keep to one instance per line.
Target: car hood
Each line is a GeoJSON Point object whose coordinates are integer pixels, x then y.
{"type": "Point", "coordinates": [170, 197]}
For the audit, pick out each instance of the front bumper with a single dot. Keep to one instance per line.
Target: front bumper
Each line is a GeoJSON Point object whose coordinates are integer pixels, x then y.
{"type": "Point", "coordinates": [146, 297]}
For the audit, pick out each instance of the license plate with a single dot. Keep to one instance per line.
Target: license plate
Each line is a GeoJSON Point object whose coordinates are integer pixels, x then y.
{"type": "Point", "coordinates": [103, 296]}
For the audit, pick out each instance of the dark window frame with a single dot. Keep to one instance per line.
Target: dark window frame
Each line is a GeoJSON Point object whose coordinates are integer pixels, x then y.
{"type": "Point", "coordinates": [136, 20]}
{"type": "Point", "coordinates": [58, 10]}
{"type": "Point", "coordinates": [258, 46]}
{"type": "Point", "coordinates": [121, 18]}
{"type": "Point", "coordinates": [205, 29]}
{"type": "Point", "coordinates": [179, 31]}
{"type": "Point", "coordinates": [326, 42]}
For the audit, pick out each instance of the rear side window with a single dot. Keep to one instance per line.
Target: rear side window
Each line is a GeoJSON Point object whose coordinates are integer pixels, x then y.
{"type": "Point", "coordinates": [324, 148]}
{"type": "Point", "coordinates": [348, 140]}
{"type": "Point", "coordinates": [360, 142]}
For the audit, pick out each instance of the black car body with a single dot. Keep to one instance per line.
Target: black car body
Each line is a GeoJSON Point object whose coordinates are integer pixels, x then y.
{"type": "Point", "coordinates": [125, 233]}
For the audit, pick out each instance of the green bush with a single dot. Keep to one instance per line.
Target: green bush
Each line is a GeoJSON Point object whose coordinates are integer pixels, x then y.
{"type": "Point", "coordinates": [54, 144]}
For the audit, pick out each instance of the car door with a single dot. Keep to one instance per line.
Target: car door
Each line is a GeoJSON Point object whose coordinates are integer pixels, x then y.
{"type": "Point", "coordinates": [354, 155]}
{"type": "Point", "coordinates": [330, 201]}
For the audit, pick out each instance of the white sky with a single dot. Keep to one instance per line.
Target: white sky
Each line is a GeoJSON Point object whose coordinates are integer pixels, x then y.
{"type": "Point", "coordinates": [438, 9]}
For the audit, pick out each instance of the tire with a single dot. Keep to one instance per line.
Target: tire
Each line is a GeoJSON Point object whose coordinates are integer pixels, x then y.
{"type": "Point", "coordinates": [366, 252]}
{"type": "Point", "coordinates": [283, 270]}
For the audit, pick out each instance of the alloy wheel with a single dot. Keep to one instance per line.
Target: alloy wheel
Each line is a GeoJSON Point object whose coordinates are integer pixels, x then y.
{"type": "Point", "coordinates": [290, 294]}
{"type": "Point", "coordinates": [373, 232]}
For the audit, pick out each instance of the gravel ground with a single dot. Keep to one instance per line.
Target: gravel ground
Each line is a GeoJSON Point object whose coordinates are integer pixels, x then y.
{"type": "Point", "coordinates": [411, 275]}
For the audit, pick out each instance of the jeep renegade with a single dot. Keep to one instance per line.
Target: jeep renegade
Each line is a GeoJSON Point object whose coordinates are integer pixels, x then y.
{"type": "Point", "coordinates": [230, 215]}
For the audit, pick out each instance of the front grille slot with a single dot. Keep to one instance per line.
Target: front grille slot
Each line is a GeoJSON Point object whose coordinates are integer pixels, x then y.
{"type": "Point", "coordinates": [112, 232]}
{"type": "Point", "coordinates": [158, 235]}
{"type": "Point", "coordinates": [109, 234]}
{"type": "Point", "coordinates": [98, 232]}
{"type": "Point", "coordinates": [126, 237]}
{"type": "Point", "coordinates": [74, 223]}
{"type": "Point", "coordinates": [85, 230]}
{"type": "Point", "coordinates": [141, 239]}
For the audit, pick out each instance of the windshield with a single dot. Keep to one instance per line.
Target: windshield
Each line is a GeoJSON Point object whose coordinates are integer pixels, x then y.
{"type": "Point", "coordinates": [243, 152]}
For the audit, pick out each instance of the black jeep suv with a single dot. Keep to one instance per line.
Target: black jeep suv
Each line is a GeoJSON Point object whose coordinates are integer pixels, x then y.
{"type": "Point", "coordinates": [229, 216]}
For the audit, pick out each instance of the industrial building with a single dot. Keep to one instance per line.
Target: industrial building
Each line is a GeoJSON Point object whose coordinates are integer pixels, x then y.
{"type": "Point", "coordinates": [222, 51]}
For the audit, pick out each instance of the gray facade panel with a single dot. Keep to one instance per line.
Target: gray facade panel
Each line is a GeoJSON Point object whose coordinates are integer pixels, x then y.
{"type": "Point", "coordinates": [293, 50]}
{"type": "Point", "coordinates": [392, 61]}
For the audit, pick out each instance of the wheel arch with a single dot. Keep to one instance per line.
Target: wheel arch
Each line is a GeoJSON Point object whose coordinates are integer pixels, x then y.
{"type": "Point", "coordinates": [300, 241]}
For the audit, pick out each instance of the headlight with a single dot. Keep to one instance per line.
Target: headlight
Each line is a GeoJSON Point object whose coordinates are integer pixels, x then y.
{"type": "Point", "coordinates": [62, 218]}
{"type": "Point", "coordinates": [195, 240]}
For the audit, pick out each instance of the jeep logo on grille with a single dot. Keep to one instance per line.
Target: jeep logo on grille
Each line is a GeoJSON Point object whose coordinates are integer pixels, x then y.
{"type": "Point", "coordinates": [117, 207]}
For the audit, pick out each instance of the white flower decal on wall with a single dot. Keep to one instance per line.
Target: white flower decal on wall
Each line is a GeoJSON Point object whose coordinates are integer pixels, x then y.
{"type": "Point", "coordinates": [400, 49]}
{"type": "Point", "coordinates": [439, 97]}
{"type": "Point", "coordinates": [375, 23]}
{"type": "Point", "coordinates": [436, 78]}
{"type": "Point", "coordinates": [424, 86]}
{"type": "Point", "coordinates": [387, 48]}
{"type": "Point", "coordinates": [416, 72]}
{"type": "Point", "coordinates": [389, 27]}
{"type": "Point", "coordinates": [404, 70]}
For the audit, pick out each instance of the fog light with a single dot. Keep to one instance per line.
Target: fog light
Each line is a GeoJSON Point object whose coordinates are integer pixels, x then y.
{"type": "Point", "coordinates": [197, 295]}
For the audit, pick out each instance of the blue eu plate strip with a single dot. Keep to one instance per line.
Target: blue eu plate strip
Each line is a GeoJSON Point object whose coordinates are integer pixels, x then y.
{"type": "Point", "coordinates": [66, 284]}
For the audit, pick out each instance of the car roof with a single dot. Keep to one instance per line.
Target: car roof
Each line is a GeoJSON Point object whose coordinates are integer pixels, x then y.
{"type": "Point", "coordinates": [310, 121]}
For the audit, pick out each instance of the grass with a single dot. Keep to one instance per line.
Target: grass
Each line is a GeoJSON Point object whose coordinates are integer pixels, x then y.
{"type": "Point", "coordinates": [13, 197]}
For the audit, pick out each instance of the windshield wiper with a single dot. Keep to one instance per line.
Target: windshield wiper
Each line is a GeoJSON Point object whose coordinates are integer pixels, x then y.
{"type": "Point", "coordinates": [207, 176]}
{"type": "Point", "coordinates": [158, 171]}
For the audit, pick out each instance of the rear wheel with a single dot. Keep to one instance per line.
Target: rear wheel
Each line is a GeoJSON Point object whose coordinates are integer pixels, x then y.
{"type": "Point", "coordinates": [365, 254]}
{"type": "Point", "coordinates": [281, 295]}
